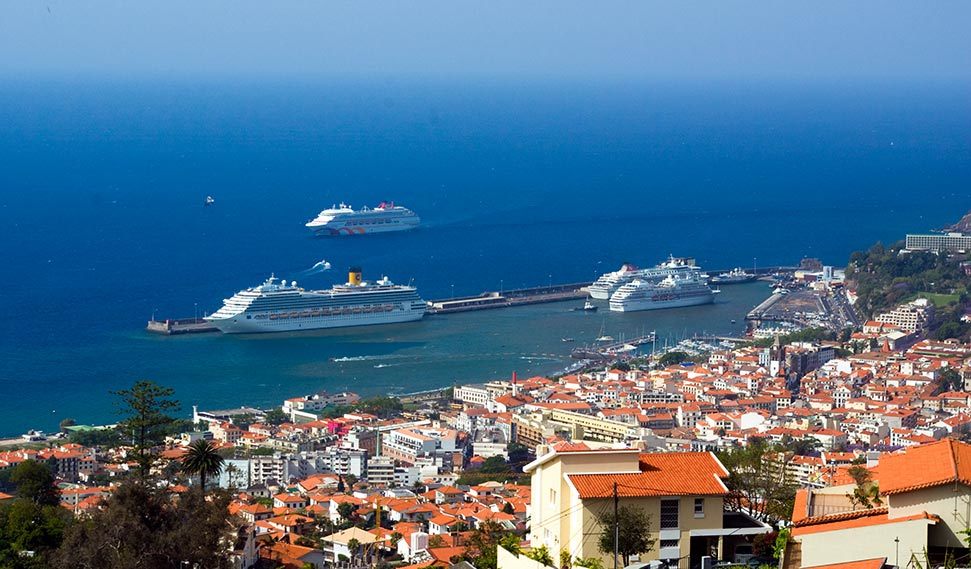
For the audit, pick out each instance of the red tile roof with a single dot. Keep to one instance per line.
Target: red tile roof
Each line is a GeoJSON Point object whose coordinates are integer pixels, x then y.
{"type": "Point", "coordinates": [877, 563]}
{"type": "Point", "coordinates": [662, 474]}
{"type": "Point", "coordinates": [925, 466]}
{"type": "Point", "coordinates": [857, 519]}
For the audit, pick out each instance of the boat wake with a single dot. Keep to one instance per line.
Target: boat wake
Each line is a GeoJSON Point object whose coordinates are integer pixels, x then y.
{"type": "Point", "coordinates": [318, 267]}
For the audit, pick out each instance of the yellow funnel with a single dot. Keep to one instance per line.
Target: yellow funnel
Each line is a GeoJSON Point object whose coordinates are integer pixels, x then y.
{"type": "Point", "coordinates": [354, 276]}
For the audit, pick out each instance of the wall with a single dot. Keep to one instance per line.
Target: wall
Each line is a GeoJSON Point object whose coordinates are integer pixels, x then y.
{"type": "Point", "coordinates": [951, 503]}
{"type": "Point", "coordinates": [841, 546]}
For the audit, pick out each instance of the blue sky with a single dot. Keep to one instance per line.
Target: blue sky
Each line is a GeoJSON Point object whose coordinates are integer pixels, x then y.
{"type": "Point", "coordinates": [627, 39]}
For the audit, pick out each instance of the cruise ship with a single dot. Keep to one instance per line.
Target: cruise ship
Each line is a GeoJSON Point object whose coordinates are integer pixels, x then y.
{"type": "Point", "coordinates": [345, 220]}
{"type": "Point", "coordinates": [609, 283]}
{"type": "Point", "coordinates": [279, 306]}
{"type": "Point", "coordinates": [734, 276]}
{"type": "Point", "coordinates": [673, 291]}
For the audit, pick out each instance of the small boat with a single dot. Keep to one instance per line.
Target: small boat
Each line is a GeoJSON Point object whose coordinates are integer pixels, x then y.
{"type": "Point", "coordinates": [605, 339]}
{"type": "Point", "coordinates": [567, 340]}
{"type": "Point", "coordinates": [589, 306]}
{"type": "Point", "coordinates": [209, 201]}
{"type": "Point", "coordinates": [733, 320]}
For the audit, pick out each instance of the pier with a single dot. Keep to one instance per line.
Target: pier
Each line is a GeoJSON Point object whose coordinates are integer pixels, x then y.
{"type": "Point", "coordinates": [505, 299]}
{"type": "Point", "coordinates": [180, 326]}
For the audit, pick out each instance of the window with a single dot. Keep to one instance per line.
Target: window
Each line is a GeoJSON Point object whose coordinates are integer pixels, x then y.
{"type": "Point", "coordinates": [699, 507]}
{"type": "Point", "coordinates": [552, 496]}
{"type": "Point", "coordinates": [669, 543]}
{"type": "Point", "coordinates": [669, 514]}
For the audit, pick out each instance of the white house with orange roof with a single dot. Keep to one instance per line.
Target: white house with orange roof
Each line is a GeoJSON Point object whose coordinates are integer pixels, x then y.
{"type": "Point", "coordinates": [925, 506]}
{"type": "Point", "coordinates": [682, 492]}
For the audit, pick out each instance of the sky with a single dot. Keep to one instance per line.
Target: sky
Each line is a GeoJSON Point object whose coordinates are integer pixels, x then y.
{"type": "Point", "coordinates": [818, 40]}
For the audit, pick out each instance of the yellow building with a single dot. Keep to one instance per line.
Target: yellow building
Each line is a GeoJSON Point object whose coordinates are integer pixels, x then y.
{"type": "Point", "coordinates": [682, 492]}
{"type": "Point", "coordinates": [925, 496]}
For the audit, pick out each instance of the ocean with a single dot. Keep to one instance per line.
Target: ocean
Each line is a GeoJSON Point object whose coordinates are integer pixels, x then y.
{"type": "Point", "coordinates": [518, 183]}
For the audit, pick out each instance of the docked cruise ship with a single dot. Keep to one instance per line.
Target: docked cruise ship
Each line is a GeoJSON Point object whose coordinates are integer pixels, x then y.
{"type": "Point", "coordinates": [278, 306]}
{"type": "Point", "coordinates": [345, 220]}
{"type": "Point", "coordinates": [734, 276]}
{"type": "Point", "coordinates": [673, 291]}
{"type": "Point", "coordinates": [609, 283]}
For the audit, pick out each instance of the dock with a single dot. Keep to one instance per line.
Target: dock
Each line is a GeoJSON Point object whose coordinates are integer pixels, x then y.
{"type": "Point", "coordinates": [506, 299]}
{"type": "Point", "coordinates": [181, 326]}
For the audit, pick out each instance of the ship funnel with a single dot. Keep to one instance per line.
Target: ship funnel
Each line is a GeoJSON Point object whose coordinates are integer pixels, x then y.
{"type": "Point", "coordinates": [354, 276]}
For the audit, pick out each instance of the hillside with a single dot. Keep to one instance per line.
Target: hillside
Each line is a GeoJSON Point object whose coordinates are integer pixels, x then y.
{"type": "Point", "coordinates": [884, 278]}
{"type": "Point", "coordinates": [962, 226]}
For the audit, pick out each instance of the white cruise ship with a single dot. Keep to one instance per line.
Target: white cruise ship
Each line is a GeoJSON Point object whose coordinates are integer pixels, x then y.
{"type": "Point", "coordinates": [284, 307]}
{"type": "Point", "coordinates": [609, 283]}
{"type": "Point", "coordinates": [345, 220]}
{"type": "Point", "coordinates": [688, 289]}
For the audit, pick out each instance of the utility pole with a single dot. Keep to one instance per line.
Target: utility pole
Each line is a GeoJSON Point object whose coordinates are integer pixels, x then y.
{"type": "Point", "coordinates": [616, 525]}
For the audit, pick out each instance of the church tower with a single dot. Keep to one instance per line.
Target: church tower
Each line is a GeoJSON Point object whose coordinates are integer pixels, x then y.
{"type": "Point", "coordinates": [777, 358]}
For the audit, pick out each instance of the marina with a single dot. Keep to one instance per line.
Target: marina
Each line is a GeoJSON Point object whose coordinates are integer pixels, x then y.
{"type": "Point", "coordinates": [484, 301]}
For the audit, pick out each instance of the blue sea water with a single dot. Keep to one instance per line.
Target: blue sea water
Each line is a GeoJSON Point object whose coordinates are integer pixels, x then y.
{"type": "Point", "coordinates": [102, 224]}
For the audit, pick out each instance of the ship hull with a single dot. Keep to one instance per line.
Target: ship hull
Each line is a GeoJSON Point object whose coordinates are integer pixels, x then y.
{"type": "Point", "coordinates": [732, 280]}
{"type": "Point", "coordinates": [639, 305]}
{"type": "Point", "coordinates": [258, 323]}
{"type": "Point", "coordinates": [331, 230]}
{"type": "Point", "coordinates": [600, 294]}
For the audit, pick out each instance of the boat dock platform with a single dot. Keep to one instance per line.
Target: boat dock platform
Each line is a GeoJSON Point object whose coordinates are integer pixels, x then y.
{"type": "Point", "coordinates": [180, 326]}
{"type": "Point", "coordinates": [505, 299]}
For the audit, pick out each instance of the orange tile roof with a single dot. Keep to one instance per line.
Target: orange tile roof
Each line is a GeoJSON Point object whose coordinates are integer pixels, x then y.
{"type": "Point", "coordinates": [857, 519]}
{"type": "Point", "coordinates": [926, 466]}
{"type": "Point", "coordinates": [877, 563]}
{"type": "Point", "coordinates": [662, 474]}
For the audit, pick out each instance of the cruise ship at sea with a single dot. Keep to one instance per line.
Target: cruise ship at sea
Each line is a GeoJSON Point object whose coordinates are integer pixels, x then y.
{"type": "Point", "coordinates": [673, 291]}
{"type": "Point", "coordinates": [278, 306]}
{"type": "Point", "coordinates": [609, 283]}
{"type": "Point", "coordinates": [345, 220]}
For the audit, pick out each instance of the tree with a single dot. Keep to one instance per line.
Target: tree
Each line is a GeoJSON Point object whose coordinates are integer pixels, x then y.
{"type": "Point", "coordinates": [866, 493]}
{"type": "Point", "coordinates": [354, 546]}
{"type": "Point", "coordinates": [950, 380]}
{"type": "Point", "coordinates": [436, 541]}
{"type": "Point", "coordinates": [142, 526]}
{"type": "Point", "coordinates": [347, 511]}
{"type": "Point", "coordinates": [65, 423]}
{"type": "Point", "coordinates": [35, 482]}
{"type": "Point", "coordinates": [494, 464]}
{"type": "Point", "coordinates": [672, 358]}
{"type": "Point", "coordinates": [202, 460]}
{"type": "Point", "coordinates": [484, 540]}
{"type": "Point", "coordinates": [146, 407]}
{"type": "Point", "coordinates": [541, 554]}
{"type": "Point", "coordinates": [276, 417]}
{"type": "Point", "coordinates": [28, 526]}
{"type": "Point", "coordinates": [395, 538]}
{"type": "Point", "coordinates": [234, 475]}
{"type": "Point", "coordinates": [508, 508]}
{"type": "Point", "coordinates": [633, 532]}
{"type": "Point", "coordinates": [758, 480]}
{"type": "Point", "coordinates": [518, 454]}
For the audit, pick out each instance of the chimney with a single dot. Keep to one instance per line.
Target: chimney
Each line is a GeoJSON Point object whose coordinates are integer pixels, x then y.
{"type": "Point", "coordinates": [515, 386]}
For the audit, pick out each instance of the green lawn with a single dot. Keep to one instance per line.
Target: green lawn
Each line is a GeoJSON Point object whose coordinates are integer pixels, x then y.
{"type": "Point", "coordinates": [939, 300]}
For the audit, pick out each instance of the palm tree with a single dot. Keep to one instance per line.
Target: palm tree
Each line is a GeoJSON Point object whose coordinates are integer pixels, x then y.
{"type": "Point", "coordinates": [202, 459]}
